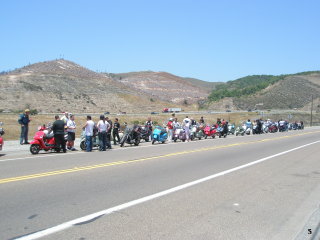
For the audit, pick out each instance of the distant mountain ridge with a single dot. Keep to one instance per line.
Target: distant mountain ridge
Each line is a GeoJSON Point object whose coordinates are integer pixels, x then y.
{"type": "Point", "coordinates": [59, 85]}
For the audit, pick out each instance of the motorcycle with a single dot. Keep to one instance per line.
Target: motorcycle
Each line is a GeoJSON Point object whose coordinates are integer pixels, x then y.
{"type": "Point", "coordinates": [95, 141]}
{"type": "Point", "coordinates": [159, 135]}
{"type": "Point", "coordinates": [222, 131]}
{"type": "Point", "coordinates": [1, 134]}
{"type": "Point", "coordinates": [300, 126]}
{"type": "Point", "coordinates": [240, 130]}
{"type": "Point", "coordinates": [179, 133]}
{"type": "Point", "coordinates": [145, 133]}
{"type": "Point", "coordinates": [265, 128]}
{"type": "Point", "coordinates": [210, 132]}
{"type": "Point", "coordinates": [256, 130]}
{"type": "Point", "coordinates": [231, 129]}
{"type": "Point", "coordinates": [273, 128]}
{"type": "Point", "coordinates": [200, 133]}
{"type": "Point", "coordinates": [131, 136]}
{"type": "Point", "coordinates": [247, 129]}
{"type": "Point", "coordinates": [44, 140]}
{"type": "Point", "coordinates": [193, 132]}
{"type": "Point", "coordinates": [282, 128]}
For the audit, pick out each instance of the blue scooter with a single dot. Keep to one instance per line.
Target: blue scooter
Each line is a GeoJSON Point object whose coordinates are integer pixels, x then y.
{"type": "Point", "coordinates": [159, 135]}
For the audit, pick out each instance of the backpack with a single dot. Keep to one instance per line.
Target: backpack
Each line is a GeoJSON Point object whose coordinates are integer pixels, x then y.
{"type": "Point", "coordinates": [20, 119]}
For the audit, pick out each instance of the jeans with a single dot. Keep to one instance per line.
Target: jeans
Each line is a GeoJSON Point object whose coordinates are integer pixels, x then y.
{"type": "Point", "coordinates": [102, 141]}
{"type": "Point", "coordinates": [24, 133]}
{"type": "Point", "coordinates": [115, 134]}
{"type": "Point", "coordinates": [88, 143]}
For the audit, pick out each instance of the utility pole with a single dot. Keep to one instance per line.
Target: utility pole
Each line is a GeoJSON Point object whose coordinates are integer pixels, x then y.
{"type": "Point", "coordinates": [311, 110]}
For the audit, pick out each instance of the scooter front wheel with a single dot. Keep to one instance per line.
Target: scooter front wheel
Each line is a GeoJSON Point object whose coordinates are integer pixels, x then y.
{"type": "Point", "coordinates": [83, 145]}
{"type": "Point", "coordinates": [34, 148]}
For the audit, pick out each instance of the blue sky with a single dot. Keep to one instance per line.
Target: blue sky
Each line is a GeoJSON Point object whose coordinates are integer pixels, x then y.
{"type": "Point", "coordinates": [209, 40]}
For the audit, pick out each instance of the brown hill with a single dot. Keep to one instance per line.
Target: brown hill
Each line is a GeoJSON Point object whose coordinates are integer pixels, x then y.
{"type": "Point", "coordinates": [293, 92]}
{"type": "Point", "coordinates": [163, 86]}
{"type": "Point", "coordinates": [59, 85]}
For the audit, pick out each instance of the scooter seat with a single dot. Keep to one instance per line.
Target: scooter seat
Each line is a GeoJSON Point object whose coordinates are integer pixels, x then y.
{"type": "Point", "coordinates": [49, 136]}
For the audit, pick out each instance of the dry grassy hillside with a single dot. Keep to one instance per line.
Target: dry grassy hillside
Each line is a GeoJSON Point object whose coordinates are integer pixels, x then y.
{"type": "Point", "coordinates": [163, 86]}
{"type": "Point", "coordinates": [292, 92]}
{"type": "Point", "coordinates": [60, 85]}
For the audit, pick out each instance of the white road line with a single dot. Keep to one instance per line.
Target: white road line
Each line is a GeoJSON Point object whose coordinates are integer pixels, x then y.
{"type": "Point", "coordinates": [87, 218]}
{"type": "Point", "coordinates": [115, 149]}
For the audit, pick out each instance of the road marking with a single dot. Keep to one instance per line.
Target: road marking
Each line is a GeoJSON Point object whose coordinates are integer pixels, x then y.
{"type": "Point", "coordinates": [91, 167]}
{"type": "Point", "coordinates": [108, 211]}
{"type": "Point", "coordinates": [129, 148]}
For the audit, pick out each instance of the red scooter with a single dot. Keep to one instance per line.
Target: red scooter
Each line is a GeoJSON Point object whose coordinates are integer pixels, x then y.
{"type": "Point", "coordinates": [209, 132]}
{"type": "Point", "coordinates": [1, 134]}
{"type": "Point", "coordinates": [273, 128]}
{"type": "Point", "coordinates": [42, 140]}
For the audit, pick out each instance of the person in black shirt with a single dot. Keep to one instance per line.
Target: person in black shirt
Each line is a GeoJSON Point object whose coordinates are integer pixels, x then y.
{"type": "Point", "coordinates": [201, 121]}
{"type": "Point", "coordinates": [115, 133]}
{"type": "Point", "coordinates": [109, 133]}
{"type": "Point", "coordinates": [148, 126]}
{"type": "Point", "coordinates": [58, 131]}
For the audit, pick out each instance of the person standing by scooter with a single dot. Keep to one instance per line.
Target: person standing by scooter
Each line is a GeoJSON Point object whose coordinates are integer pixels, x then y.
{"type": "Point", "coordinates": [24, 122]}
{"type": "Point", "coordinates": [89, 133]}
{"type": "Point", "coordinates": [71, 130]}
{"type": "Point", "coordinates": [58, 131]}
{"type": "Point", "coordinates": [115, 132]}
{"type": "Point", "coordinates": [186, 125]}
{"type": "Point", "coordinates": [149, 125]}
{"type": "Point", "coordinates": [103, 127]}
{"type": "Point", "coordinates": [109, 131]}
{"type": "Point", "coordinates": [170, 129]}
{"type": "Point", "coordinates": [65, 118]}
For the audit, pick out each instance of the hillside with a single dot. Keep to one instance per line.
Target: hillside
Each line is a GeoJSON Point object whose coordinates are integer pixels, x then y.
{"type": "Point", "coordinates": [269, 92]}
{"type": "Point", "coordinates": [60, 85]}
{"type": "Point", "coordinates": [163, 86]}
{"type": "Point", "coordinates": [208, 86]}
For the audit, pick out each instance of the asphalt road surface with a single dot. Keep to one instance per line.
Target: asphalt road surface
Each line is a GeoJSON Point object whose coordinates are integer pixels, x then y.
{"type": "Point", "coordinates": [252, 187]}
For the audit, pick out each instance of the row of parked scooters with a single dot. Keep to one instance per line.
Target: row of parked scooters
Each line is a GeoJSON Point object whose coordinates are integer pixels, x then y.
{"type": "Point", "coordinates": [133, 135]}
{"type": "Point", "coordinates": [259, 127]}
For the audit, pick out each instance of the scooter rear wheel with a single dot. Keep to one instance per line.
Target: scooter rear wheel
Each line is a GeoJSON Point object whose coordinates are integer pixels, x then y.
{"type": "Point", "coordinates": [34, 148]}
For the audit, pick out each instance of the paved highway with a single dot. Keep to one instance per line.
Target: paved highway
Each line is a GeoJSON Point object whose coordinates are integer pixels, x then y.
{"type": "Point", "coordinates": [251, 187]}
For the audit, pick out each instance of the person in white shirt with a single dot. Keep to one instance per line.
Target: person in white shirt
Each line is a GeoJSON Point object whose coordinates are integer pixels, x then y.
{"type": "Point", "coordinates": [65, 118]}
{"type": "Point", "coordinates": [71, 129]}
{"type": "Point", "coordinates": [186, 125]}
{"type": "Point", "coordinates": [103, 127]}
{"type": "Point", "coordinates": [89, 133]}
